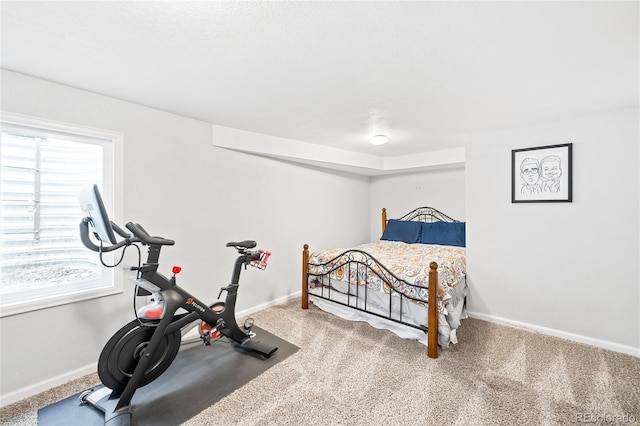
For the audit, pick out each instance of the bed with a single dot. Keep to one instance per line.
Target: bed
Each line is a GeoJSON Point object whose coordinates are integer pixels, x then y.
{"type": "Point", "coordinates": [388, 283]}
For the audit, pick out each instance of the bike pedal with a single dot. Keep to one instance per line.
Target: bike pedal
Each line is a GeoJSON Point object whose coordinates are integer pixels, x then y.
{"type": "Point", "coordinates": [210, 335]}
{"type": "Point", "coordinates": [206, 339]}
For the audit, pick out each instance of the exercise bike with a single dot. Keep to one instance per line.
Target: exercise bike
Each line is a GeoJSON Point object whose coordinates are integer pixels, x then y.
{"type": "Point", "coordinates": [144, 348]}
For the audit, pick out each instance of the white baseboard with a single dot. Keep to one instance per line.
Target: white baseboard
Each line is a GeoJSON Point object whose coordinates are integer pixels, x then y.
{"type": "Point", "coordinates": [269, 304]}
{"type": "Point", "coordinates": [616, 347]}
{"type": "Point", "coordinates": [45, 385]}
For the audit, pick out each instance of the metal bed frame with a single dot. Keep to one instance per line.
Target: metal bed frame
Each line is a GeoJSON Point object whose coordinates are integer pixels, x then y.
{"type": "Point", "coordinates": [366, 265]}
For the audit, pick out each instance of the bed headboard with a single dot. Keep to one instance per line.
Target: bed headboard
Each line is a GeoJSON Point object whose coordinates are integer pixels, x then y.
{"type": "Point", "coordinates": [421, 214]}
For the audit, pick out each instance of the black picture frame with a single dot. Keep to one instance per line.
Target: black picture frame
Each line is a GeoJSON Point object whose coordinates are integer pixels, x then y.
{"type": "Point", "coordinates": [542, 174]}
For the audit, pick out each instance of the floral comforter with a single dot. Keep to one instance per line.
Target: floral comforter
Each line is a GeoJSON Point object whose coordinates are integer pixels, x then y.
{"type": "Point", "coordinates": [406, 266]}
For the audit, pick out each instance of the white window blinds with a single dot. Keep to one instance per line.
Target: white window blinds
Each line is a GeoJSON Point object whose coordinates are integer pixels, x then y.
{"type": "Point", "coordinates": [42, 172]}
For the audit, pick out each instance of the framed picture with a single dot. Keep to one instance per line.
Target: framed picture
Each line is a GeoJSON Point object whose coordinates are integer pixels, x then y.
{"type": "Point", "coordinates": [541, 174]}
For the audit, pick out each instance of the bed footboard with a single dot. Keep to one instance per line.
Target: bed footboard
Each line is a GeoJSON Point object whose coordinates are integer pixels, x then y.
{"type": "Point", "coordinates": [432, 308]}
{"type": "Point", "coordinates": [432, 321]}
{"type": "Point", "coordinates": [305, 277]}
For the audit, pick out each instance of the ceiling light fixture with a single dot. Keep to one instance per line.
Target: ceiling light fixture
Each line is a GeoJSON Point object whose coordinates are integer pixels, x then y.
{"type": "Point", "coordinates": [379, 140]}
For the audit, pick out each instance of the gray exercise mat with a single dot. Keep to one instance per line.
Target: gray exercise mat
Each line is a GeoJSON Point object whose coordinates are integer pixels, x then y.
{"type": "Point", "coordinates": [199, 377]}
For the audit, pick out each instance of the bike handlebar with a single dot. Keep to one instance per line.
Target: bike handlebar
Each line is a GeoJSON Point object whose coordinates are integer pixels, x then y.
{"type": "Point", "coordinates": [137, 230]}
{"type": "Point", "coordinates": [84, 237]}
{"type": "Point", "coordinates": [119, 230]}
{"type": "Point", "coordinates": [138, 234]}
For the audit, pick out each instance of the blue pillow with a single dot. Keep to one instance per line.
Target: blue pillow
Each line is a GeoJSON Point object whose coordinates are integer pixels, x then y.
{"type": "Point", "coordinates": [444, 233]}
{"type": "Point", "coordinates": [402, 230]}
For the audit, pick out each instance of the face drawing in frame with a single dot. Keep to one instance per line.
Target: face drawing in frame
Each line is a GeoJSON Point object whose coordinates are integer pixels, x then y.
{"type": "Point", "coordinates": [550, 171]}
{"type": "Point", "coordinates": [542, 174]}
{"type": "Point", "coordinates": [530, 174]}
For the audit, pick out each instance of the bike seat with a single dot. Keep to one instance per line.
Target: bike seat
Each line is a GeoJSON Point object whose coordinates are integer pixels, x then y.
{"type": "Point", "coordinates": [244, 244]}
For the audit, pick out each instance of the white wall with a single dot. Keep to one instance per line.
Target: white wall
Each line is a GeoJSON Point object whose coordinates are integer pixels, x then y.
{"type": "Point", "coordinates": [569, 269]}
{"type": "Point", "coordinates": [182, 187]}
{"type": "Point", "coordinates": [399, 194]}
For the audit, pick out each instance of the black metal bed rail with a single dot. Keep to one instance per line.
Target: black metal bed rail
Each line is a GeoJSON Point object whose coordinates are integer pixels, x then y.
{"type": "Point", "coordinates": [428, 215]}
{"type": "Point", "coordinates": [372, 267]}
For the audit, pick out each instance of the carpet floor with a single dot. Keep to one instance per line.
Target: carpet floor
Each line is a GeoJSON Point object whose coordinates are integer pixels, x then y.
{"type": "Point", "coordinates": [348, 373]}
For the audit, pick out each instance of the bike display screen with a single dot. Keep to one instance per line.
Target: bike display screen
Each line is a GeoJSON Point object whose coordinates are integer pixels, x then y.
{"type": "Point", "coordinates": [93, 207]}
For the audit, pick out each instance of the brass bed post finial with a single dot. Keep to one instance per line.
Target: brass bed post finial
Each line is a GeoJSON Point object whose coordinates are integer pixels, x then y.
{"type": "Point", "coordinates": [305, 277]}
{"type": "Point", "coordinates": [384, 219]}
{"type": "Point", "coordinates": [432, 307]}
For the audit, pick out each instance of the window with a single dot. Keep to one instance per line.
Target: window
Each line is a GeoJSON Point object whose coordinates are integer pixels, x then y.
{"type": "Point", "coordinates": [44, 165]}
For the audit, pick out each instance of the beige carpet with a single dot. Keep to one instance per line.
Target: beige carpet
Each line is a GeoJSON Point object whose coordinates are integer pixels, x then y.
{"type": "Point", "coordinates": [352, 374]}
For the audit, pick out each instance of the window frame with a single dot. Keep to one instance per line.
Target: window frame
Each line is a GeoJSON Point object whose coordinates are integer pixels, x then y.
{"type": "Point", "coordinates": [111, 190]}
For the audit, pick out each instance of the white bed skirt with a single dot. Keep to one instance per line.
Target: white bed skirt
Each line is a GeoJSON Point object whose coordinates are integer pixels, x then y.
{"type": "Point", "coordinates": [378, 303]}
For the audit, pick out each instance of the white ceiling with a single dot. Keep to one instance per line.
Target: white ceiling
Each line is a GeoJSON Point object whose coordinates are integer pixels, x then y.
{"type": "Point", "coordinates": [335, 73]}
